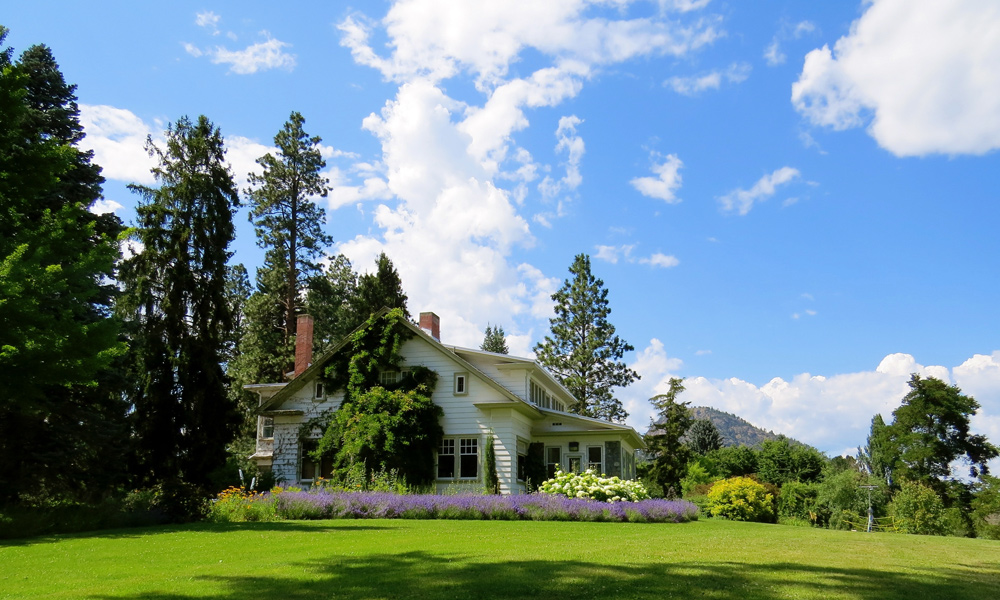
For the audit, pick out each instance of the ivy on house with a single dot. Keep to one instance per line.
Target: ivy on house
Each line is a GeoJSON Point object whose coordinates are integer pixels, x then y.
{"type": "Point", "coordinates": [381, 426]}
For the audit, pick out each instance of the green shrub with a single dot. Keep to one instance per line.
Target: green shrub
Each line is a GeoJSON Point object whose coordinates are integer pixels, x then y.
{"type": "Point", "coordinates": [918, 509]}
{"type": "Point", "coordinates": [741, 499]}
{"type": "Point", "coordinates": [842, 497]}
{"type": "Point", "coordinates": [801, 501]}
{"type": "Point", "coordinates": [697, 474]}
{"type": "Point", "coordinates": [986, 509]}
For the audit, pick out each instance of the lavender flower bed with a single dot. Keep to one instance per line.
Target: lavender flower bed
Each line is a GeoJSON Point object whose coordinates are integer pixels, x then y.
{"type": "Point", "coordinates": [531, 507]}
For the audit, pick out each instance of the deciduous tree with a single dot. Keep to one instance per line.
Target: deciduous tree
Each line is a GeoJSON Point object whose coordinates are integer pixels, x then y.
{"type": "Point", "coordinates": [582, 350]}
{"type": "Point", "coordinates": [930, 430]}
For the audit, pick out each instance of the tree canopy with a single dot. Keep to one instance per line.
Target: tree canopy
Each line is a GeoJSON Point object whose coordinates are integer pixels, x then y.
{"type": "Point", "coordinates": [378, 290]}
{"type": "Point", "coordinates": [58, 428]}
{"type": "Point", "coordinates": [930, 430]}
{"type": "Point", "coordinates": [175, 299]}
{"type": "Point", "coordinates": [582, 350]}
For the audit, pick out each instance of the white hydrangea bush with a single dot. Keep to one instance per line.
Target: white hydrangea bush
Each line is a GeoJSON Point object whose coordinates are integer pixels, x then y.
{"type": "Point", "coordinates": [590, 486]}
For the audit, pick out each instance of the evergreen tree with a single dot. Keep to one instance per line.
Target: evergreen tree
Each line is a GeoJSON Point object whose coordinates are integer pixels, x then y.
{"type": "Point", "coordinates": [704, 437]}
{"type": "Point", "coordinates": [583, 351]}
{"type": "Point", "coordinates": [59, 426]}
{"type": "Point", "coordinates": [664, 441]}
{"type": "Point", "coordinates": [382, 289]}
{"type": "Point", "coordinates": [495, 340]}
{"type": "Point", "coordinates": [876, 457]}
{"type": "Point", "coordinates": [330, 301]}
{"type": "Point", "coordinates": [287, 222]}
{"type": "Point", "coordinates": [175, 299]}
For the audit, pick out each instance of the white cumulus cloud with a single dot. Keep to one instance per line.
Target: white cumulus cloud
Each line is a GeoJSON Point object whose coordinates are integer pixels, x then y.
{"type": "Point", "coordinates": [920, 73]}
{"type": "Point", "coordinates": [118, 138]}
{"type": "Point", "coordinates": [666, 183]}
{"type": "Point", "coordinates": [660, 260]}
{"type": "Point", "coordinates": [831, 412]}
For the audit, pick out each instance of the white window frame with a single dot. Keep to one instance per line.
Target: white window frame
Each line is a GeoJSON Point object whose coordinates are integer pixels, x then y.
{"type": "Point", "coordinates": [319, 391]}
{"type": "Point", "coordinates": [548, 462]}
{"type": "Point", "coordinates": [600, 465]}
{"type": "Point", "coordinates": [266, 422]}
{"type": "Point", "coordinates": [446, 443]}
{"type": "Point", "coordinates": [461, 384]}
{"type": "Point", "coordinates": [461, 443]}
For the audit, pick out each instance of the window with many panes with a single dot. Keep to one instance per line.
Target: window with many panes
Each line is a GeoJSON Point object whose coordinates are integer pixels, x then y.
{"type": "Point", "coordinates": [446, 459]}
{"type": "Point", "coordinates": [392, 377]}
{"type": "Point", "coordinates": [594, 459]}
{"type": "Point", "coordinates": [538, 396]}
{"type": "Point", "coordinates": [468, 458]}
{"type": "Point", "coordinates": [458, 458]}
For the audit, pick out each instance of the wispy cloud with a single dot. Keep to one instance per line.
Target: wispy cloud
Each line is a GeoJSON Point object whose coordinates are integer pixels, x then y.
{"type": "Point", "coordinates": [694, 85]}
{"type": "Point", "coordinates": [742, 201]}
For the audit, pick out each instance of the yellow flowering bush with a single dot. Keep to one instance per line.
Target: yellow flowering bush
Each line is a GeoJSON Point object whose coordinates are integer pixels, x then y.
{"type": "Point", "coordinates": [741, 499]}
{"type": "Point", "coordinates": [235, 504]}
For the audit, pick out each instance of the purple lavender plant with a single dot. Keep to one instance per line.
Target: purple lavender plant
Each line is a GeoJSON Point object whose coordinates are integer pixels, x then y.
{"type": "Point", "coordinates": [531, 507]}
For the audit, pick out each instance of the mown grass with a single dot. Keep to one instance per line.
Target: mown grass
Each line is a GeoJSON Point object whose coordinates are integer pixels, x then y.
{"type": "Point", "coordinates": [496, 559]}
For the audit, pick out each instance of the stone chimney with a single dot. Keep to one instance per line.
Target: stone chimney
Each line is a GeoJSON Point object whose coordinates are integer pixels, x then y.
{"type": "Point", "coordinates": [431, 323]}
{"type": "Point", "coordinates": [303, 343]}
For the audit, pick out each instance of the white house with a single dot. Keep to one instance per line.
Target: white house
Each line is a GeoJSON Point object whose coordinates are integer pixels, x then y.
{"type": "Point", "coordinates": [479, 392]}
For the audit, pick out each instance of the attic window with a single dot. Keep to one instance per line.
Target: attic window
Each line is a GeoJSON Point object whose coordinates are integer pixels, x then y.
{"type": "Point", "coordinates": [320, 392]}
{"type": "Point", "coordinates": [392, 377]}
{"type": "Point", "coordinates": [461, 384]}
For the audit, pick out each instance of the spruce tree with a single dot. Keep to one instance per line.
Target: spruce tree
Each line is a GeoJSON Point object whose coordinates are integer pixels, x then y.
{"type": "Point", "coordinates": [175, 300]}
{"type": "Point", "coordinates": [495, 340]}
{"type": "Point", "coordinates": [583, 351]}
{"type": "Point", "coordinates": [704, 437]}
{"type": "Point", "coordinates": [60, 422]}
{"type": "Point", "coordinates": [288, 223]}
{"type": "Point", "coordinates": [381, 289]}
{"type": "Point", "coordinates": [664, 441]}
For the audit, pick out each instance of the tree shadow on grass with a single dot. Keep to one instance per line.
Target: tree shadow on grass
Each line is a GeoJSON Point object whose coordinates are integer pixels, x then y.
{"type": "Point", "coordinates": [140, 532]}
{"type": "Point", "coordinates": [424, 575]}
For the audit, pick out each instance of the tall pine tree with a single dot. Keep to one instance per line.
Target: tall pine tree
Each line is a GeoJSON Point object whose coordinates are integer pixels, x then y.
{"type": "Point", "coordinates": [60, 427]}
{"type": "Point", "coordinates": [175, 299]}
{"type": "Point", "coordinates": [583, 351]}
{"type": "Point", "coordinates": [288, 223]}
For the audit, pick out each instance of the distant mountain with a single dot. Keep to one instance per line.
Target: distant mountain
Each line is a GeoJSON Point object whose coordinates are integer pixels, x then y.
{"type": "Point", "coordinates": [735, 430]}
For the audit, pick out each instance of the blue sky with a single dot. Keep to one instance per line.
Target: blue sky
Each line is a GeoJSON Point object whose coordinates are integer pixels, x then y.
{"type": "Point", "coordinates": [793, 204]}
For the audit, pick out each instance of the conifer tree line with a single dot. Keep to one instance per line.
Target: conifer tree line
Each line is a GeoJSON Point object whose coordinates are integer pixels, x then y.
{"type": "Point", "coordinates": [128, 371]}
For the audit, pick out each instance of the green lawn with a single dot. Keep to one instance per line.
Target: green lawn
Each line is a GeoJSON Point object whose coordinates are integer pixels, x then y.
{"type": "Point", "coordinates": [471, 560]}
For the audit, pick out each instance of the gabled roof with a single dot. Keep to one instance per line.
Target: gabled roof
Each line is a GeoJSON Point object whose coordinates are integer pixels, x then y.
{"type": "Point", "coordinates": [454, 353]}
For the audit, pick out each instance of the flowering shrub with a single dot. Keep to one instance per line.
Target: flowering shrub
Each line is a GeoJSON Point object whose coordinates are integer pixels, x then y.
{"type": "Point", "coordinates": [741, 499]}
{"type": "Point", "coordinates": [236, 505]}
{"type": "Point", "coordinates": [589, 486]}
{"type": "Point", "coordinates": [529, 507]}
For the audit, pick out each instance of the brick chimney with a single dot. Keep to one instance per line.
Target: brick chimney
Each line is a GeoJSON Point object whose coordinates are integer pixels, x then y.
{"type": "Point", "coordinates": [431, 323]}
{"type": "Point", "coordinates": [303, 343]}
